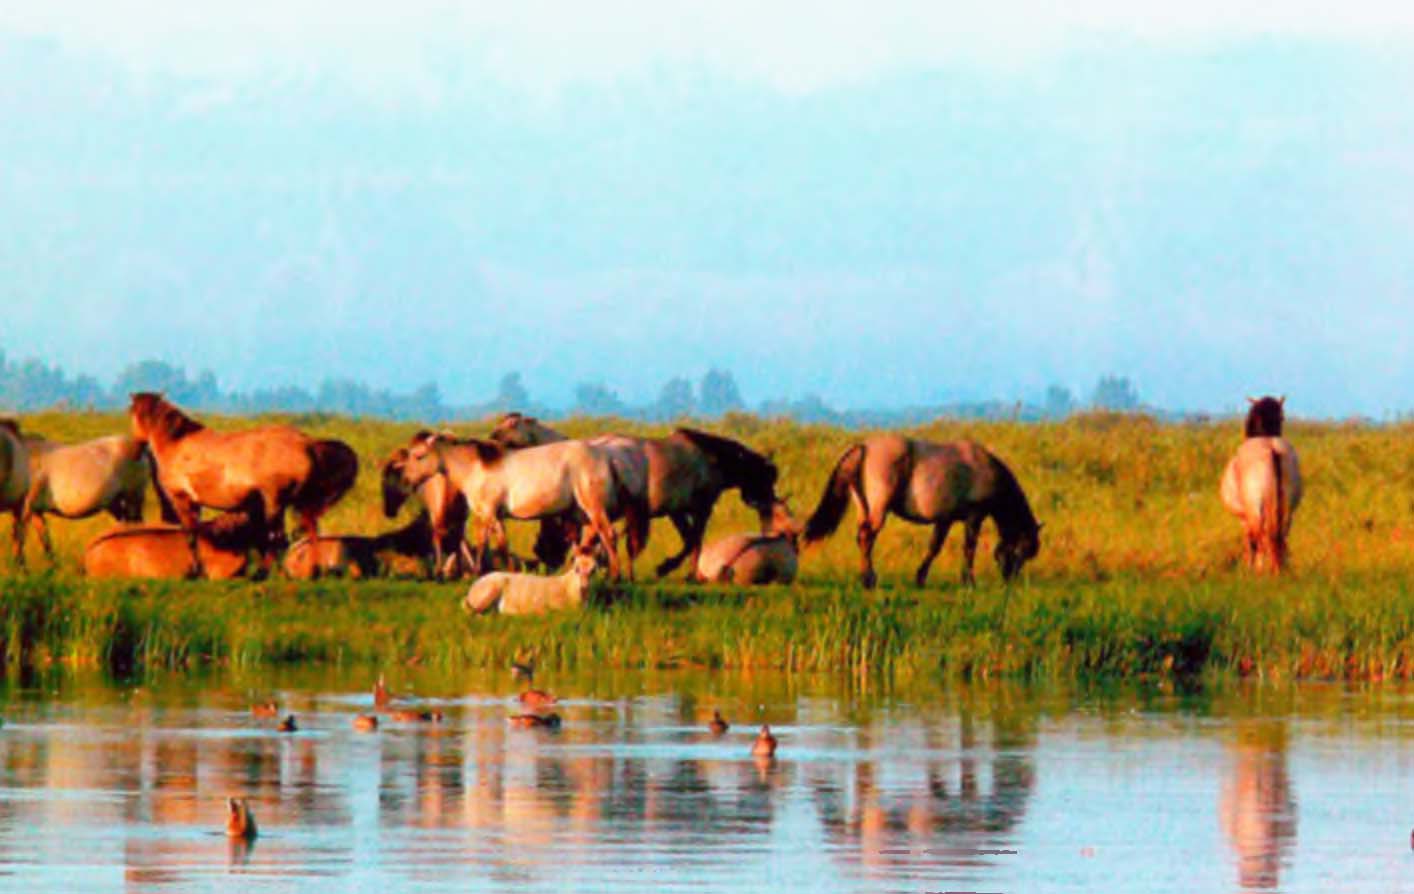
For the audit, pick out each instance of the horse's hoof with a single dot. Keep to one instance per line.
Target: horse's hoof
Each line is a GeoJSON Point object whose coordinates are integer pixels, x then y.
{"type": "Point", "coordinates": [868, 579]}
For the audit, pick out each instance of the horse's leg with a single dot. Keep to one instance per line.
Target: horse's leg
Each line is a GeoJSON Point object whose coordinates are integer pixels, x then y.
{"type": "Point", "coordinates": [935, 545]}
{"type": "Point", "coordinates": [865, 537]}
{"type": "Point", "coordinates": [17, 534]}
{"type": "Point", "coordinates": [42, 527]}
{"type": "Point", "coordinates": [683, 521]}
{"type": "Point", "coordinates": [607, 537]}
{"type": "Point", "coordinates": [971, 530]}
{"type": "Point", "coordinates": [189, 516]}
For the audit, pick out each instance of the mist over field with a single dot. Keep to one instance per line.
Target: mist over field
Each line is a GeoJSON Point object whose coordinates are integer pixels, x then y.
{"type": "Point", "coordinates": [1221, 212]}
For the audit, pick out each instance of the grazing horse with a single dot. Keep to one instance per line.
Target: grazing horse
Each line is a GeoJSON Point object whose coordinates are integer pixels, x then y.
{"type": "Point", "coordinates": [685, 474]}
{"type": "Point", "coordinates": [446, 510]}
{"type": "Point", "coordinates": [534, 483]}
{"type": "Point", "coordinates": [261, 471]}
{"type": "Point", "coordinates": [1262, 484]}
{"type": "Point", "coordinates": [79, 480]}
{"type": "Point", "coordinates": [928, 484]}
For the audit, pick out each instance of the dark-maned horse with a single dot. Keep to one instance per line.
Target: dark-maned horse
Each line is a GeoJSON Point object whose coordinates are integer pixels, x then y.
{"type": "Point", "coordinates": [686, 472]}
{"type": "Point", "coordinates": [1262, 484]}
{"type": "Point", "coordinates": [357, 556]}
{"type": "Point", "coordinates": [261, 471]}
{"type": "Point", "coordinates": [929, 484]}
{"type": "Point", "coordinates": [446, 508]}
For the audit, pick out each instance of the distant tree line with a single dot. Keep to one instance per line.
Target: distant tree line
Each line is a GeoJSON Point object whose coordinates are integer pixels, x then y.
{"type": "Point", "coordinates": [30, 385]}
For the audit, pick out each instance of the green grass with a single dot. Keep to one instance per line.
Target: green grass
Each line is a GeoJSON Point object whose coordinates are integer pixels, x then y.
{"type": "Point", "coordinates": [1138, 574]}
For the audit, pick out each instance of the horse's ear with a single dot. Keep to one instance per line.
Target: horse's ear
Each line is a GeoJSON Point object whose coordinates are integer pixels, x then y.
{"type": "Point", "coordinates": [1282, 400]}
{"type": "Point", "coordinates": [1251, 399]}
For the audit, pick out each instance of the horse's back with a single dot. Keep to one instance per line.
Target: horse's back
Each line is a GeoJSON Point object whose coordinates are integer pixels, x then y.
{"type": "Point", "coordinates": [144, 552]}
{"type": "Point", "coordinates": [748, 559]}
{"type": "Point", "coordinates": [944, 479]}
{"type": "Point", "coordinates": [1250, 478]}
{"type": "Point", "coordinates": [82, 479]}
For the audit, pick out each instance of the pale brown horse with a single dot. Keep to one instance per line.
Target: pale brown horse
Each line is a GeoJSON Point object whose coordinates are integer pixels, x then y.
{"type": "Point", "coordinates": [533, 483]}
{"type": "Point", "coordinates": [685, 474]}
{"type": "Point", "coordinates": [224, 547]}
{"type": "Point", "coordinates": [1262, 485]}
{"type": "Point", "coordinates": [446, 511]}
{"type": "Point", "coordinates": [928, 484]}
{"type": "Point", "coordinates": [749, 559]}
{"type": "Point", "coordinates": [260, 471]}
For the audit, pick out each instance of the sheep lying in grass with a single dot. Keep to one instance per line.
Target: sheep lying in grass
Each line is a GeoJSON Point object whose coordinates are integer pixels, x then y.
{"type": "Point", "coordinates": [530, 594]}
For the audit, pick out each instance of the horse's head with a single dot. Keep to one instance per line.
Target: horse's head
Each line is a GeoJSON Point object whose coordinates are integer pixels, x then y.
{"type": "Point", "coordinates": [423, 460]}
{"type": "Point", "coordinates": [1016, 550]}
{"type": "Point", "coordinates": [1265, 417]}
{"type": "Point", "coordinates": [517, 430]}
{"type": "Point", "coordinates": [395, 493]}
{"type": "Point", "coordinates": [143, 408]}
{"type": "Point", "coordinates": [783, 523]}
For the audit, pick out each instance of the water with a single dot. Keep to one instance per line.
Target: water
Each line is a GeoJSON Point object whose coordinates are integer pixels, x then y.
{"type": "Point", "coordinates": [105, 787]}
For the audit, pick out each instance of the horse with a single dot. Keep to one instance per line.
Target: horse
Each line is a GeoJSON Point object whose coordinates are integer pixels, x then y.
{"type": "Point", "coordinates": [754, 558]}
{"type": "Point", "coordinates": [79, 480]}
{"type": "Point", "coordinates": [260, 471]}
{"type": "Point", "coordinates": [1262, 484]}
{"type": "Point", "coordinates": [14, 478]}
{"type": "Point", "coordinates": [685, 474]}
{"type": "Point", "coordinates": [446, 510]}
{"type": "Point", "coordinates": [929, 484]}
{"type": "Point", "coordinates": [164, 551]}
{"type": "Point", "coordinates": [533, 483]}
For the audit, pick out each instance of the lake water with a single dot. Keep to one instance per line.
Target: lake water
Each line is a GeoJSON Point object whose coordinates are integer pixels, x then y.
{"type": "Point", "coordinates": [113, 787]}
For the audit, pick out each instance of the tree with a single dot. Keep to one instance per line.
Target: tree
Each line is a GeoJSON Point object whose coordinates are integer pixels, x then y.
{"type": "Point", "coordinates": [1059, 401]}
{"type": "Point", "coordinates": [676, 400]}
{"type": "Point", "coordinates": [1115, 393]}
{"type": "Point", "coordinates": [596, 399]}
{"type": "Point", "coordinates": [511, 393]}
{"type": "Point", "coordinates": [718, 393]}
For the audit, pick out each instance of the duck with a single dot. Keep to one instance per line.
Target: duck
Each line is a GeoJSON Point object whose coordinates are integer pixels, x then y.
{"type": "Point", "coordinates": [523, 670]}
{"type": "Point", "coordinates": [288, 724]}
{"type": "Point", "coordinates": [410, 716]}
{"type": "Point", "coordinates": [719, 724]}
{"type": "Point", "coordinates": [381, 696]}
{"type": "Point", "coordinates": [548, 721]}
{"type": "Point", "coordinates": [240, 822]}
{"type": "Point", "coordinates": [765, 744]}
{"type": "Point", "coordinates": [535, 699]}
{"type": "Point", "coordinates": [365, 723]}
{"type": "Point", "coordinates": [265, 709]}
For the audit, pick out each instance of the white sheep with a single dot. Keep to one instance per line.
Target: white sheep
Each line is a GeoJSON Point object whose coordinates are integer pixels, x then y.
{"type": "Point", "coordinates": [531, 594]}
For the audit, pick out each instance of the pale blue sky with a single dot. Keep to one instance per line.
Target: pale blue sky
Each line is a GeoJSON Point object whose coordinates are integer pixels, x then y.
{"type": "Point", "coordinates": [887, 203]}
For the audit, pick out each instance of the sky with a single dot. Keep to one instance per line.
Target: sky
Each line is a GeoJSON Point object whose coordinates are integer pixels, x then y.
{"type": "Point", "coordinates": [885, 204]}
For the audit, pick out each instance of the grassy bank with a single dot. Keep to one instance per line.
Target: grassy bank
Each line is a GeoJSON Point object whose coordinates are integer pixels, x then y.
{"type": "Point", "coordinates": [1361, 627]}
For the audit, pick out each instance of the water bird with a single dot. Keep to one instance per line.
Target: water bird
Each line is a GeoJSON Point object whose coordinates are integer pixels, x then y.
{"type": "Point", "coordinates": [381, 696]}
{"type": "Point", "coordinates": [523, 670]}
{"type": "Point", "coordinates": [765, 744]}
{"type": "Point", "coordinates": [265, 709]}
{"type": "Point", "coordinates": [365, 723]}
{"type": "Point", "coordinates": [240, 822]}
{"type": "Point", "coordinates": [527, 721]}
{"type": "Point", "coordinates": [288, 724]}
{"type": "Point", "coordinates": [537, 699]}
{"type": "Point", "coordinates": [719, 725]}
{"type": "Point", "coordinates": [411, 716]}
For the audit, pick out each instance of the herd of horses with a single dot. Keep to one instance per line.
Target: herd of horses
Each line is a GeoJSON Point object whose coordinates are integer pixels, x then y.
{"type": "Point", "coordinates": [580, 491]}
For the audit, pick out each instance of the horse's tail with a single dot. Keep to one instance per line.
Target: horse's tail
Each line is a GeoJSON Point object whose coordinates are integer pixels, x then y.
{"type": "Point", "coordinates": [164, 503]}
{"type": "Point", "coordinates": [333, 468]}
{"type": "Point", "coordinates": [830, 511]}
{"type": "Point", "coordinates": [1274, 516]}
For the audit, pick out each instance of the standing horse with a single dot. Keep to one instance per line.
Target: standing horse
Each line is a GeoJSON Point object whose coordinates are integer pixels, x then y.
{"type": "Point", "coordinates": [79, 480]}
{"type": "Point", "coordinates": [928, 484]}
{"type": "Point", "coordinates": [685, 474]}
{"type": "Point", "coordinates": [534, 483]}
{"type": "Point", "coordinates": [1262, 484]}
{"type": "Point", "coordinates": [263, 471]}
{"type": "Point", "coordinates": [446, 509]}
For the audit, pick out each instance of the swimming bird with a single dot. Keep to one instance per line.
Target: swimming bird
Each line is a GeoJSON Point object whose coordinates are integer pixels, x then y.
{"type": "Point", "coordinates": [536, 699]}
{"type": "Point", "coordinates": [523, 670]}
{"type": "Point", "coordinates": [365, 723]}
{"type": "Point", "coordinates": [288, 724]}
{"type": "Point", "coordinates": [719, 725]}
{"type": "Point", "coordinates": [265, 709]}
{"type": "Point", "coordinates": [765, 744]}
{"type": "Point", "coordinates": [381, 695]}
{"type": "Point", "coordinates": [549, 721]}
{"type": "Point", "coordinates": [240, 822]}
{"type": "Point", "coordinates": [411, 716]}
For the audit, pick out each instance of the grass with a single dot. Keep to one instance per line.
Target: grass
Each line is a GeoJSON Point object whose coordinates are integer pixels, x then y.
{"type": "Point", "coordinates": [1138, 575]}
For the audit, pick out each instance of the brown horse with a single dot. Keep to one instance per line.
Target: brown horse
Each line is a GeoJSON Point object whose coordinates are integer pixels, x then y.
{"type": "Point", "coordinates": [355, 556]}
{"type": "Point", "coordinates": [14, 478]}
{"type": "Point", "coordinates": [686, 472]}
{"type": "Point", "coordinates": [748, 559]}
{"type": "Point", "coordinates": [1262, 484]}
{"type": "Point", "coordinates": [928, 484]}
{"type": "Point", "coordinates": [164, 551]}
{"type": "Point", "coordinates": [261, 471]}
{"type": "Point", "coordinates": [446, 510]}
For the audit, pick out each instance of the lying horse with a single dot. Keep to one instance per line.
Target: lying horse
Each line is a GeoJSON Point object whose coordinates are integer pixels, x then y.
{"type": "Point", "coordinates": [446, 510]}
{"type": "Point", "coordinates": [754, 558]}
{"type": "Point", "coordinates": [79, 480]}
{"type": "Point", "coordinates": [355, 556]}
{"type": "Point", "coordinates": [685, 474]}
{"type": "Point", "coordinates": [260, 471]}
{"type": "Point", "coordinates": [534, 483]}
{"type": "Point", "coordinates": [929, 484]}
{"type": "Point", "coordinates": [164, 551]}
{"type": "Point", "coordinates": [1262, 484]}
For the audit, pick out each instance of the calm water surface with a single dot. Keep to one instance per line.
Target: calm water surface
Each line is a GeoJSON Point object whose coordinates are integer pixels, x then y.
{"type": "Point", "coordinates": [118, 787]}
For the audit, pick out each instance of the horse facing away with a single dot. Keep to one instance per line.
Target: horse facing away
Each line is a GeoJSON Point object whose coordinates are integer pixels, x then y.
{"type": "Point", "coordinates": [534, 483]}
{"type": "Point", "coordinates": [445, 506]}
{"type": "Point", "coordinates": [928, 484]}
{"type": "Point", "coordinates": [1262, 484]}
{"type": "Point", "coordinates": [686, 472]}
{"type": "Point", "coordinates": [262, 471]}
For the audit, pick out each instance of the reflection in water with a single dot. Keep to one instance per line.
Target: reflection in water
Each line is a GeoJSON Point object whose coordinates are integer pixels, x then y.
{"type": "Point", "coordinates": [1258, 808]}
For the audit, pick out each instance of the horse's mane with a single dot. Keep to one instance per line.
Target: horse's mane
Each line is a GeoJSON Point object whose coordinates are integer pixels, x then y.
{"type": "Point", "coordinates": [159, 413]}
{"type": "Point", "coordinates": [734, 454]}
{"type": "Point", "coordinates": [10, 424]}
{"type": "Point", "coordinates": [488, 451]}
{"type": "Point", "coordinates": [1265, 418]}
